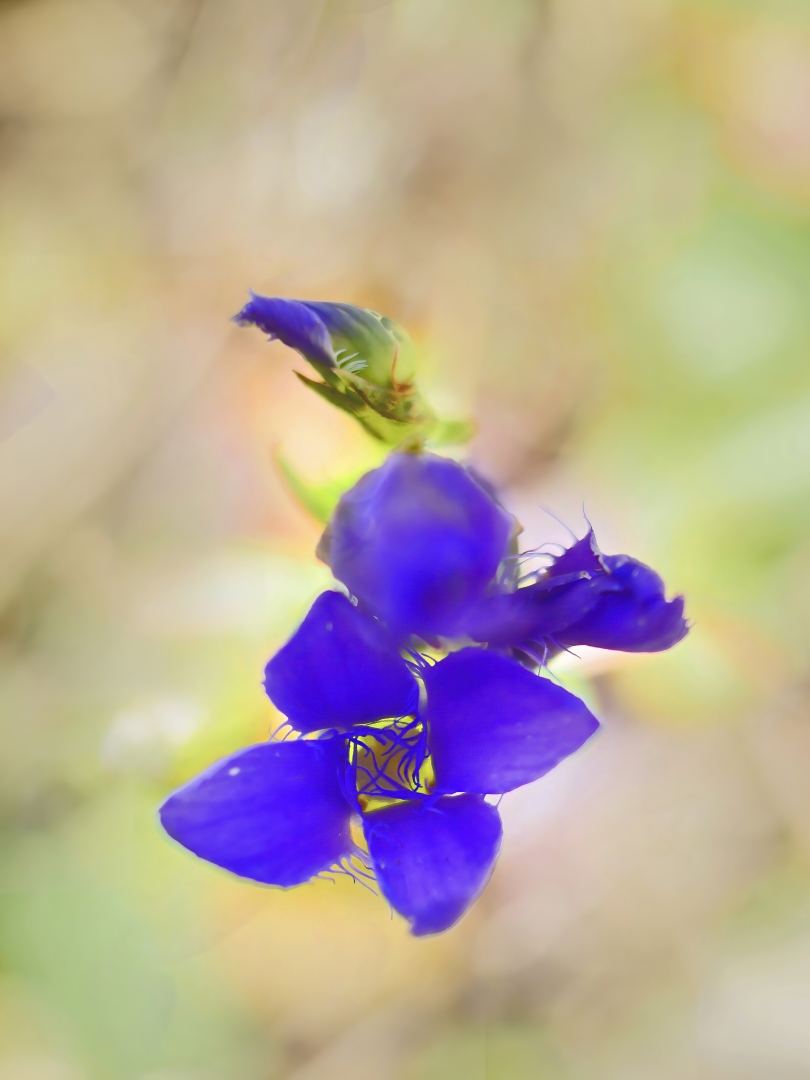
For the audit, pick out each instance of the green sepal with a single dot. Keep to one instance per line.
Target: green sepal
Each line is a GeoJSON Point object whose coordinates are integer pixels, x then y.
{"type": "Point", "coordinates": [328, 374]}
{"type": "Point", "coordinates": [346, 401]}
{"type": "Point", "coordinates": [390, 404]}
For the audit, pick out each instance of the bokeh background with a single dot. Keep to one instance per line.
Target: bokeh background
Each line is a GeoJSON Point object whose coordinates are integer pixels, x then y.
{"type": "Point", "coordinates": [594, 218]}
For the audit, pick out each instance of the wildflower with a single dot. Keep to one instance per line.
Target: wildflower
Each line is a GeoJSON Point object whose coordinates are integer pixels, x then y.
{"type": "Point", "coordinates": [418, 541]}
{"type": "Point", "coordinates": [403, 745]}
{"type": "Point", "coordinates": [280, 812]}
{"type": "Point", "coordinates": [277, 814]}
{"type": "Point", "coordinates": [352, 339]}
{"type": "Point", "coordinates": [583, 598]}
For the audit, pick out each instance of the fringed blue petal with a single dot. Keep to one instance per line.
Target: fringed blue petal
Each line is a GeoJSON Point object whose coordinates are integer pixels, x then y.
{"type": "Point", "coordinates": [537, 612]}
{"type": "Point", "coordinates": [583, 557]}
{"type": "Point", "coordinates": [340, 668]}
{"type": "Point", "coordinates": [417, 541]}
{"type": "Point", "coordinates": [637, 617]}
{"type": "Point", "coordinates": [583, 598]}
{"type": "Point", "coordinates": [433, 861]}
{"type": "Point", "coordinates": [273, 813]}
{"type": "Point", "coordinates": [495, 726]}
{"type": "Point", "coordinates": [291, 321]}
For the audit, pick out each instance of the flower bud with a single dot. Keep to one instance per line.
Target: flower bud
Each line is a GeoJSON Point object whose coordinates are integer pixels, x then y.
{"type": "Point", "coordinates": [354, 340]}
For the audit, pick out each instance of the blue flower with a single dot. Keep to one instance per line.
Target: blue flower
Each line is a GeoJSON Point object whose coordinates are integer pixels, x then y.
{"type": "Point", "coordinates": [280, 813]}
{"type": "Point", "coordinates": [276, 814]}
{"type": "Point", "coordinates": [418, 542]}
{"type": "Point", "coordinates": [404, 746]}
{"type": "Point", "coordinates": [353, 339]}
{"type": "Point", "coordinates": [583, 598]}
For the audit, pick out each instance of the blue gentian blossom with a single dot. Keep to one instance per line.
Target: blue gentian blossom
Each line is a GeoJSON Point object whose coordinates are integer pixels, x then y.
{"type": "Point", "coordinates": [279, 813]}
{"type": "Point", "coordinates": [386, 736]}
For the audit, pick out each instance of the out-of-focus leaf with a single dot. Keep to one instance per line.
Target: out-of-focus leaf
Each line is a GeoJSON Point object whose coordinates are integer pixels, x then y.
{"type": "Point", "coordinates": [320, 499]}
{"type": "Point", "coordinates": [97, 962]}
{"type": "Point", "coordinates": [452, 433]}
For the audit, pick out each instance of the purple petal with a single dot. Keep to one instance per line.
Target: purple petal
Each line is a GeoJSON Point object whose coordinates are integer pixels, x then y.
{"type": "Point", "coordinates": [635, 618]}
{"type": "Point", "coordinates": [432, 862]}
{"type": "Point", "coordinates": [495, 726]}
{"type": "Point", "coordinates": [340, 668]}
{"type": "Point", "coordinates": [273, 813]}
{"type": "Point", "coordinates": [292, 322]}
{"type": "Point", "coordinates": [583, 598]}
{"type": "Point", "coordinates": [625, 624]}
{"type": "Point", "coordinates": [634, 576]}
{"type": "Point", "coordinates": [536, 612]}
{"type": "Point", "coordinates": [417, 541]}
{"type": "Point", "coordinates": [582, 557]}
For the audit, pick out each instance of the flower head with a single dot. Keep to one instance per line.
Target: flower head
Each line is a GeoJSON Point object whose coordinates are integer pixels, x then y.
{"type": "Point", "coordinates": [276, 814]}
{"type": "Point", "coordinates": [279, 813]}
{"type": "Point", "coordinates": [404, 744]}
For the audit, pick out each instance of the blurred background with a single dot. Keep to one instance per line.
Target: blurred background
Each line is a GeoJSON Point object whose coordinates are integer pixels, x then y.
{"type": "Point", "coordinates": [594, 218]}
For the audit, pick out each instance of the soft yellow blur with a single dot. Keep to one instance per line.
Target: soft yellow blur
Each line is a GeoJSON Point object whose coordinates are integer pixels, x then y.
{"type": "Point", "coordinates": [594, 218]}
